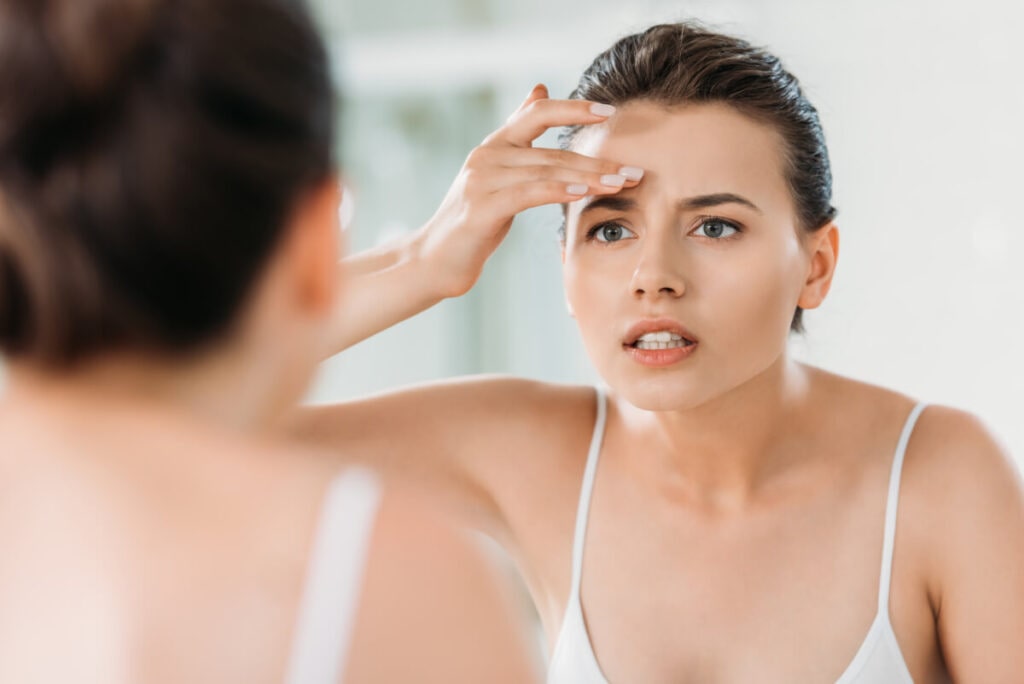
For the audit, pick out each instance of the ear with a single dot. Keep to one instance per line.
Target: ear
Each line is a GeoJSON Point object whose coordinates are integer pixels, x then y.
{"type": "Point", "coordinates": [824, 252]}
{"type": "Point", "coordinates": [314, 247]}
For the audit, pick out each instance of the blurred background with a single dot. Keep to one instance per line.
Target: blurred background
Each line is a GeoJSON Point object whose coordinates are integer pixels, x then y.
{"type": "Point", "coordinates": [922, 104]}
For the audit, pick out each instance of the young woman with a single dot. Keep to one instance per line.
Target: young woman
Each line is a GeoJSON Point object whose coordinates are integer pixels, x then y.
{"type": "Point", "coordinates": [720, 513]}
{"type": "Point", "coordinates": [167, 205]}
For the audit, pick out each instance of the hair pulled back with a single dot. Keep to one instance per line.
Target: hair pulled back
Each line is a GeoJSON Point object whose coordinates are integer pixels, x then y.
{"type": "Point", "coordinates": [685, 63]}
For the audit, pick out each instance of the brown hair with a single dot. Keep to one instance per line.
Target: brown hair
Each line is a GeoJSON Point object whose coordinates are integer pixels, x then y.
{"type": "Point", "coordinates": [684, 63]}
{"type": "Point", "coordinates": [150, 153]}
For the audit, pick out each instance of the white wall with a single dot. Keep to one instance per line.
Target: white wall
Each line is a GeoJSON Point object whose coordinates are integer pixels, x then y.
{"type": "Point", "coordinates": [922, 103]}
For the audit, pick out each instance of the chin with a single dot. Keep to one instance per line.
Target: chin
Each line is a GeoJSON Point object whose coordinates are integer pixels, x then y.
{"type": "Point", "coordinates": [686, 389]}
{"type": "Point", "coordinates": [667, 393]}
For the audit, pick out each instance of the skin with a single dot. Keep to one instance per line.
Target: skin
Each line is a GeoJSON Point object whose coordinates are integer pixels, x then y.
{"type": "Point", "coordinates": [153, 531]}
{"type": "Point", "coordinates": [737, 519]}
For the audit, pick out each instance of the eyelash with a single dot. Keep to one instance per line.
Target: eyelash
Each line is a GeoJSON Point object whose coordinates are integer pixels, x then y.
{"type": "Point", "coordinates": [592, 233]}
{"type": "Point", "coordinates": [718, 219]}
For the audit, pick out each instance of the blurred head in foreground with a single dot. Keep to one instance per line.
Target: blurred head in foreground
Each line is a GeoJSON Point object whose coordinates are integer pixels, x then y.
{"type": "Point", "coordinates": [167, 192]}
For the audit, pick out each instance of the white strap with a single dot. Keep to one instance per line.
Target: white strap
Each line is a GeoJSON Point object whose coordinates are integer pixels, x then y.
{"type": "Point", "coordinates": [586, 489]}
{"type": "Point", "coordinates": [891, 507]}
{"type": "Point", "coordinates": [334, 579]}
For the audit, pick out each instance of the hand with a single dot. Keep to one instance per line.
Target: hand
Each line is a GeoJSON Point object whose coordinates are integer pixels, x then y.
{"type": "Point", "coordinates": [506, 175]}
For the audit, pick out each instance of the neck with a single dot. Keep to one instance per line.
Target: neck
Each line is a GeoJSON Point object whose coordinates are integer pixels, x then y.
{"type": "Point", "coordinates": [223, 387]}
{"type": "Point", "coordinates": [726, 451]}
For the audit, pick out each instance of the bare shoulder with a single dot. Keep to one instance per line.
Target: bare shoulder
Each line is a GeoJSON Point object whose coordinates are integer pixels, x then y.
{"type": "Point", "coordinates": [433, 608]}
{"type": "Point", "coordinates": [954, 462]}
{"type": "Point", "coordinates": [857, 398]}
{"type": "Point", "coordinates": [961, 463]}
{"type": "Point", "coordinates": [969, 497]}
{"type": "Point", "coordinates": [950, 452]}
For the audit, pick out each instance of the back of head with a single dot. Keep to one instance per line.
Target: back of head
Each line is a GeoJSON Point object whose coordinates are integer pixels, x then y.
{"type": "Point", "coordinates": [150, 153]}
{"type": "Point", "coordinates": [685, 63]}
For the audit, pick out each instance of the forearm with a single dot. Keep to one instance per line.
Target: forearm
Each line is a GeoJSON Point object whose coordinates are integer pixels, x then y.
{"type": "Point", "coordinates": [383, 256]}
{"type": "Point", "coordinates": [502, 177]}
{"type": "Point", "coordinates": [379, 288]}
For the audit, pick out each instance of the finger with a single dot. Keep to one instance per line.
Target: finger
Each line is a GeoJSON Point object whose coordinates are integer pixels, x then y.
{"type": "Point", "coordinates": [539, 92]}
{"type": "Point", "coordinates": [529, 123]}
{"type": "Point", "coordinates": [517, 198]}
{"type": "Point", "coordinates": [535, 156]}
{"type": "Point", "coordinates": [522, 175]}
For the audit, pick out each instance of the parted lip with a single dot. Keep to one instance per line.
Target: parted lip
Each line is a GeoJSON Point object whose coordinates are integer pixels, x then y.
{"type": "Point", "coordinates": [656, 325]}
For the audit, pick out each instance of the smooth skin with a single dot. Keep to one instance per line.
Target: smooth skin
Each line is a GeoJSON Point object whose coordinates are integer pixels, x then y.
{"type": "Point", "coordinates": [737, 520]}
{"type": "Point", "coordinates": [153, 532]}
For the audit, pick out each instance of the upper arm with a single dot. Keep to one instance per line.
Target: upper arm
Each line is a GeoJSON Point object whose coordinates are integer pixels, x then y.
{"type": "Point", "coordinates": [460, 444]}
{"type": "Point", "coordinates": [433, 610]}
{"type": "Point", "coordinates": [979, 547]}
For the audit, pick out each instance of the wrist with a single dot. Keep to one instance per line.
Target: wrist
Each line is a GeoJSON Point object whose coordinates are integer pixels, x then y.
{"type": "Point", "coordinates": [438, 279]}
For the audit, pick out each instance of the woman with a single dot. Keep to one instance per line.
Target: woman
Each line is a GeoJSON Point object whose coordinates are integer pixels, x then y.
{"type": "Point", "coordinates": [723, 513]}
{"type": "Point", "coordinates": [168, 205]}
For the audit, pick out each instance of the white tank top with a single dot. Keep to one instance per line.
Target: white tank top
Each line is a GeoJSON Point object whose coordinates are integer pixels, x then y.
{"type": "Point", "coordinates": [334, 578]}
{"type": "Point", "coordinates": [877, 661]}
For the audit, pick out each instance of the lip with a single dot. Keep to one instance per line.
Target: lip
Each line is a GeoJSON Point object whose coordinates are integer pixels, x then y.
{"type": "Point", "coordinates": [659, 358]}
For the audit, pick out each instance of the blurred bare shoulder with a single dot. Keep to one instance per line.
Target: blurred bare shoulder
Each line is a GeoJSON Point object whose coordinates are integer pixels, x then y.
{"type": "Point", "coordinates": [431, 589]}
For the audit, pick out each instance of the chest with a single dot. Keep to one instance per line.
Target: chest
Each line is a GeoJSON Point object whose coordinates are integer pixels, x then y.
{"type": "Point", "coordinates": [777, 599]}
{"type": "Point", "coordinates": [790, 593]}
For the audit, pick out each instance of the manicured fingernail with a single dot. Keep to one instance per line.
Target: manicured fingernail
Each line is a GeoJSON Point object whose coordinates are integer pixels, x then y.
{"type": "Point", "coordinates": [598, 109]}
{"type": "Point", "coordinates": [578, 189]}
{"type": "Point", "coordinates": [632, 173]}
{"type": "Point", "coordinates": [614, 181]}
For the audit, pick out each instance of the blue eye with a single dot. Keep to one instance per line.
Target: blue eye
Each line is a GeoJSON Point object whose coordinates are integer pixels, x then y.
{"type": "Point", "coordinates": [716, 228]}
{"type": "Point", "coordinates": [610, 232]}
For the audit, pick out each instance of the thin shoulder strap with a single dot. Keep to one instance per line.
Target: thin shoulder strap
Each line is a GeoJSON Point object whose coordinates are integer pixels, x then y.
{"type": "Point", "coordinates": [891, 507]}
{"type": "Point", "coordinates": [334, 579]}
{"type": "Point", "coordinates": [587, 488]}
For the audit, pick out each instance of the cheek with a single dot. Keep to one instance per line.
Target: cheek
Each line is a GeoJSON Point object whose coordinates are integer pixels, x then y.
{"type": "Point", "coordinates": [592, 290]}
{"type": "Point", "coordinates": [756, 296]}
{"type": "Point", "coordinates": [580, 293]}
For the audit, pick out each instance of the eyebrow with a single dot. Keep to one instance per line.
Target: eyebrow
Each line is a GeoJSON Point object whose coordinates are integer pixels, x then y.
{"type": "Point", "coordinates": [716, 199]}
{"type": "Point", "coordinates": [617, 203]}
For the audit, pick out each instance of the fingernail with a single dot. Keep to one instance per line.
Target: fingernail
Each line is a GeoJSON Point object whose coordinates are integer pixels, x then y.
{"type": "Point", "coordinates": [577, 189]}
{"type": "Point", "coordinates": [598, 109]}
{"type": "Point", "coordinates": [614, 181]}
{"type": "Point", "coordinates": [632, 173]}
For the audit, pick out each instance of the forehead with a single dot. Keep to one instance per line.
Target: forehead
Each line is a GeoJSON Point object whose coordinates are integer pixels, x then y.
{"type": "Point", "coordinates": [693, 150]}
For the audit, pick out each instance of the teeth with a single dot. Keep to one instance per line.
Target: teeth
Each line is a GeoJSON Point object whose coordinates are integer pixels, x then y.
{"type": "Point", "coordinates": [671, 344]}
{"type": "Point", "coordinates": [660, 336]}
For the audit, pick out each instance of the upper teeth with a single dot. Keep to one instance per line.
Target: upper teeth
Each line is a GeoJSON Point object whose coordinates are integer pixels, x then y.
{"type": "Point", "coordinates": [661, 339]}
{"type": "Point", "coordinates": [660, 336]}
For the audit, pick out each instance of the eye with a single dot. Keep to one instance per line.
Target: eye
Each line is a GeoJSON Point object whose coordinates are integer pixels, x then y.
{"type": "Point", "coordinates": [716, 228]}
{"type": "Point", "coordinates": [610, 232]}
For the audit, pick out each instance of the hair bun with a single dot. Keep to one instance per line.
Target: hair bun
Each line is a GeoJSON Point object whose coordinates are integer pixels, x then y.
{"type": "Point", "coordinates": [151, 154]}
{"type": "Point", "coordinates": [59, 54]}
{"type": "Point", "coordinates": [94, 39]}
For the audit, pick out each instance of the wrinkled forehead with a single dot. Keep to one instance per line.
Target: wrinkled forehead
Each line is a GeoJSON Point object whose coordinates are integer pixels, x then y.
{"type": "Point", "coordinates": [690, 151]}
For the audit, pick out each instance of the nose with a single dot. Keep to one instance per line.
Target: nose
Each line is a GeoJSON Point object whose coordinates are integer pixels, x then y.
{"type": "Point", "coordinates": [658, 273]}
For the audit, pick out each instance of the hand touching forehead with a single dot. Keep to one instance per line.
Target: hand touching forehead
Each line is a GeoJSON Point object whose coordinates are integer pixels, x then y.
{"type": "Point", "coordinates": [692, 151]}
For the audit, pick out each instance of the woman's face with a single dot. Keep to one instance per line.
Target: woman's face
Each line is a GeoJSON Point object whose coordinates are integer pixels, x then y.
{"type": "Point", "coordinates": [684, 287]}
